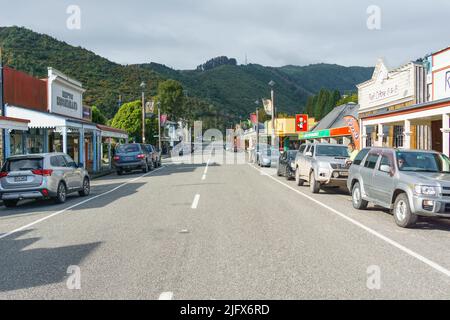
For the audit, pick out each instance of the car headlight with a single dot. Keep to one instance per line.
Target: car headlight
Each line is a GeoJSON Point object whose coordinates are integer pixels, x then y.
{"type": "Point", "coordinates": [425, 190]}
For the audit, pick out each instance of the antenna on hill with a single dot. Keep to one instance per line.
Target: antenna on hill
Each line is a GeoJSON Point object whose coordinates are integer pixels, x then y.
{"type": "Point", "coordinates": [246, 59]}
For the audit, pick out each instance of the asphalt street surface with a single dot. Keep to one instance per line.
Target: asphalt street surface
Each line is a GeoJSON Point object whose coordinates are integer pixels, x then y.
{"type": "Point", "coordinates": [211, 230]}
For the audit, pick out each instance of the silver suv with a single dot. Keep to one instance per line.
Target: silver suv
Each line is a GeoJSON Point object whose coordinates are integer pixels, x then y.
{"type": "Point", "coordinates": [42, 176]}
{"type": "Point", "coordinates": [412, 183]}
{"type": "Point", "coordinates": [322, 164]}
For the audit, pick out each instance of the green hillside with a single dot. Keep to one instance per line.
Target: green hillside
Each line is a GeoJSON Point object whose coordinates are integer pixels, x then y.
{"type": "Point", "coordinates": [227, 90]}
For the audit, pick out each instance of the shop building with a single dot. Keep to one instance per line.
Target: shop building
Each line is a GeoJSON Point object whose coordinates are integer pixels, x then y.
{"type": "Point", "coordinates": [58, 121]}
{"type": "Point", "coordinates": [408, 107]}
{"type": "Point", "coordinates": [333, 128]}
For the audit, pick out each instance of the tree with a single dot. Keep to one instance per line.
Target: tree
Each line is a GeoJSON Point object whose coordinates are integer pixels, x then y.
{"type": "Point", "coordinates": [98, 116]}
{"type": "Point", "coordinates": [129, 118]}
{"type": "Point", "coordinates": [172, 99]}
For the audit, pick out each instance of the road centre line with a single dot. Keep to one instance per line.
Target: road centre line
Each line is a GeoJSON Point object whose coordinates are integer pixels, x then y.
{"type": "Point", "coordinates": [166, 296]}
{"type": "Point", "coordinates": [395, 244]}
{"type": "Point", "coordinates": [77, 204]}
{"type": "Point", "coordinates": [196, 201]}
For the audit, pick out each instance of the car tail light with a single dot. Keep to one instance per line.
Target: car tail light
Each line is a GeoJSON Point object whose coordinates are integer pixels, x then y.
{"type": "Point", "coordinates": [45, 193]}
{"type": "Point", "coordinates": [3, 174]}
{"type": "Point", "coordinates": [141, 156]}
{"type": "Point", "coordinates": [44, 173]}
{"type": "Point", "coordinates": [116, 158]}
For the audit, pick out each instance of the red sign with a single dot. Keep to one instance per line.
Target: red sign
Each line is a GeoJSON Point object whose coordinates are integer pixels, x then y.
{"type": "Point", "coordinates": [301, 123]}
{"type": "Point", "coordinates": [253, 118]}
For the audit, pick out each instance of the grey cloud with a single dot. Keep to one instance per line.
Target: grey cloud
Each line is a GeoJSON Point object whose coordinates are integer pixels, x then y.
{"type": "Point", "coordinates": [185, 33]}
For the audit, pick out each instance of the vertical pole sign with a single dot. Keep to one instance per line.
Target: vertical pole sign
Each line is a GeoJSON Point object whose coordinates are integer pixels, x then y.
{"type": "Point", "coordinates": [2, 105]}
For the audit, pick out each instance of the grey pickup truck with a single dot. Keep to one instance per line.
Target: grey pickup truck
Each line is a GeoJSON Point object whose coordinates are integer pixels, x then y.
{"type": "Point", "coordinates": [322, 164]}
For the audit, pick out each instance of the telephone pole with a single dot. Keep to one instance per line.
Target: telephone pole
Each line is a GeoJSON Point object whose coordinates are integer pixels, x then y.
{"type": "Point", "coordinates": [143, 111]}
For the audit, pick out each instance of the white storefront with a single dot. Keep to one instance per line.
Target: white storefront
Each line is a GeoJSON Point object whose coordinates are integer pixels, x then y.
{"type": "Point", "coordinates": [408, 107]}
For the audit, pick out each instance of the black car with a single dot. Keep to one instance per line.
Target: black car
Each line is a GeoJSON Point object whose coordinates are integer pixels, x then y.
{"type": "Point", "coordinates": [286, 164]}
{"type": "Point", "coordinates": [132, 156]}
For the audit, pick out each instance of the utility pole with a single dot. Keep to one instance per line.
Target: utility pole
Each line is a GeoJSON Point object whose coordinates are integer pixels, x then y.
{"type": "Point", "coordinates": [2, 104]}
{"type": "Point", "coordinates": [159, 126]}
{"type": "Point", "coordinates": [272, 94]}
{"type": "Point", "coordinates": [143, 111]}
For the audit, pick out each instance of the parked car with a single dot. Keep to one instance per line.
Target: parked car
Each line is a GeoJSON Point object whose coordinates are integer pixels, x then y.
{"type": "Point", "coordinates": [321, 164]}
{"type": "Point", "coordinates": [155, 155]}
{"type": "Point", "coordinates": [412, 183]}
{"type": "Point", "coordinates": [42, 176]}
{"type": "Point", "coordinates": [286, 164]}
{"type": "Point", "coordinates": [267, 156]}
{"type": "Point", "coordinates": [132, 156]}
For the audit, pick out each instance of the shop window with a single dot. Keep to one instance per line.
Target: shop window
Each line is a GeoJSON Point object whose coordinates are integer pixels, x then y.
{"type": "Point", "coordinates": [16, 142]}
{"type": "Point", "coordinates": [398, 136]}
{"type": "Point", "coordinates": [35, 141]}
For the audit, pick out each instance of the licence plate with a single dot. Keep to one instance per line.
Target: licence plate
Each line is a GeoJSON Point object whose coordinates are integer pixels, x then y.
{"type": "Point", "coordinates": [20, 179]}
{"type": "Point", "coordinates": [129, 158]}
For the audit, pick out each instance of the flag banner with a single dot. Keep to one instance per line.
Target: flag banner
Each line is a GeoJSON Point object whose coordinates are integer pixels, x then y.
{"type": "Point", "coordinates": [301, 123]}
{"type": "Point", "coordinates": [353, 125]}
{"type": "Point", "coordinates": [163, 119]}
{"type": "Point", "coordinates": [149, 109]}
{"type": "Point", "coordinates": [253, 118]}
{"type": "Point", "coordinates": [268, 106]}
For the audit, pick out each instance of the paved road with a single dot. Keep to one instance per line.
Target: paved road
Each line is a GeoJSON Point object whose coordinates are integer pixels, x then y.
{"type": "Point", "coordinates": [216, 231]}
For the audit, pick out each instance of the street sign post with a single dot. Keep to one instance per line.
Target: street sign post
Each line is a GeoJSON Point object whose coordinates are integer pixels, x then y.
{"type": "Point", "coordinates": [301, 123]}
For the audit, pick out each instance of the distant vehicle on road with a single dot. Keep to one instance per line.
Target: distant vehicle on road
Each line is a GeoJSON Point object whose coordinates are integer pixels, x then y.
{"type": "Point", "coordinates": [155, 154]}
{"type": "Point", "coordinates": [42, 176]}
{"type": "Point", "coordinates": [267, 156]}
{"type": "Point", "coordinates": [321, 164]}
{"type": "Point", "coordinates": [132, 156]}
{"type": "Point", "coordinates": [412, 183]}
{"type": "Point", "coordinates": [286, 164]}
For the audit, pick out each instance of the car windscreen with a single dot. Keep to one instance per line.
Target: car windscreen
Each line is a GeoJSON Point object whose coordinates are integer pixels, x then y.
{"type": "Point", "coordinates": [292, 154]}
{"type": "Point", "coordinates": [128, 148]}
{"type": "Point", "coordinates": [26, 164]}
{"type": "Point", "coordinates": [422, 162]}
{"type": "Point", "coordinates": [332, 151]}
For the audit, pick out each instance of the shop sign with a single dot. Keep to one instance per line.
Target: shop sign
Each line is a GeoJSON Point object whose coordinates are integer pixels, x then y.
{"type": "Point", "coordinates": [315, 134]}
{"type": "Point", "coordinates": [301, 123]}
{"type": "Point", "coordinates": [66, 101]}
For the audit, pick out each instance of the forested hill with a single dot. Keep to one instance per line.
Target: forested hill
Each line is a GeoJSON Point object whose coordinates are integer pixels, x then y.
{"type": "Point", "coordinates": [223, 85]}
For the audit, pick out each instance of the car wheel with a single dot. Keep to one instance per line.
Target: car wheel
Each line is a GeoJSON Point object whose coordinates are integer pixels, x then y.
{"type": "Point", "coordinates": [313, 184]}
{"type": "Point", "coordinates": [357, 200]}
{"type": "Point", "coordinates": [61, 194]}
{"type": "Point", "coordinates": [403, 215]}
{"type": "Point", "coordinates": [10, 203]}
{"type": "Point", "coordinates": [86, 188]}
{"type": "Point", "coordinates": [288, 175]}
{"type": "Point", "coordinates": [299, 182]}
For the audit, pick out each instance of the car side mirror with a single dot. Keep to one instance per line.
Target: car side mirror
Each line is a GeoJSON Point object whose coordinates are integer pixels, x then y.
{"type": "Point", "coordinates": [80, 165]}
{"type": "Point", "coordinates": [386, 168]}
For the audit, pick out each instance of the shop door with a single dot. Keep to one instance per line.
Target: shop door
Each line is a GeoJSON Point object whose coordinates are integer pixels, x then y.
{"type": "Point", "coordinates": [436, 135]}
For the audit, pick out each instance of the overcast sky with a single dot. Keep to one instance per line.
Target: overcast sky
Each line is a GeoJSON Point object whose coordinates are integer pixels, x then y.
{"type": "Point", "coordinates": [185, 33]}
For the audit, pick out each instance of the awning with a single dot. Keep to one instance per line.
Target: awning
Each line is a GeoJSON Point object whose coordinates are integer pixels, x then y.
{"type": "Point", "coordinates": [13, 123]}
{"type": "Point", "coordinates": [108, 132]}
{"type": "Point", "coordinates": [38, 120]}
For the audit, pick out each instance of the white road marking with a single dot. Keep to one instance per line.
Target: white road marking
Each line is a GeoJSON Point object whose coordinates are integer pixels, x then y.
{"type": "Point", "coordinates": [397, 245]}
{"type": "Point", "coordinates": [206, 169]}
{"type": "Point", "coordinates": [77, 204]}
{"type": "Point", "coordinates": [166, 296]}
{"type": "Point", "coordinates": [195, 202]}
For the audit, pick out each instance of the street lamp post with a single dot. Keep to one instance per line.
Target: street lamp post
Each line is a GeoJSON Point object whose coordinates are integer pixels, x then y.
{"type": "Point", "coordinates": [143, 111]}
{"type": "Point", "coordinates": [272, 95]}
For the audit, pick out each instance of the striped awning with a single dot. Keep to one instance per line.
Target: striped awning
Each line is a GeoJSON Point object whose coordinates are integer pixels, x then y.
{"type": "Point", "coordinates": [13, 123]}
